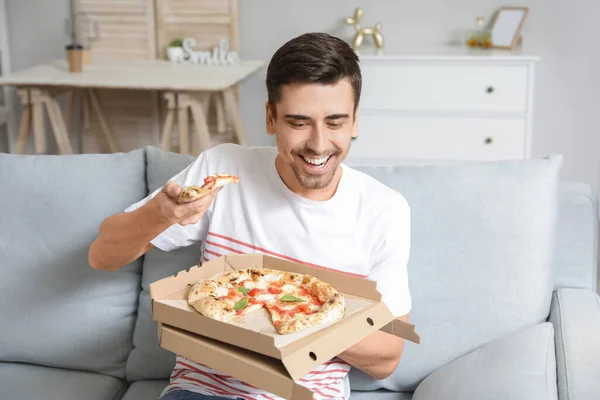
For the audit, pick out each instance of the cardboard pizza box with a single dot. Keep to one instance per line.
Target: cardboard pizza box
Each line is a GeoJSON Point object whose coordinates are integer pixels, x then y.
{"type": "Point", "coordinates": [277, 360]}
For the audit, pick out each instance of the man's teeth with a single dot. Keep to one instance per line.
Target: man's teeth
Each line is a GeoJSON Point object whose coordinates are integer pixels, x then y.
{"type": "Point", "coordinates": [316, 161]}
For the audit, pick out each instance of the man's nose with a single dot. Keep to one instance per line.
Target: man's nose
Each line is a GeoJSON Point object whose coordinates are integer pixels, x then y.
{"type": "Point", "coordinates": [317, 141]}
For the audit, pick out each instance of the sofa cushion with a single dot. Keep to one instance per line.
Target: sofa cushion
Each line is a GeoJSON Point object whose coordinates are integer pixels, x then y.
{"type": "Point", "coordinates": [481, 256]}
{"type": "Point", "coordinates": [148, 360]}
{"type": "Point", "coordinates": [61, 312]}
{"type": "Point", "coordinates": [518, 366]}
{"type": "Point", "coordinates": [146, 390]}
{"type": "Point", "coordinates": [24, 381]}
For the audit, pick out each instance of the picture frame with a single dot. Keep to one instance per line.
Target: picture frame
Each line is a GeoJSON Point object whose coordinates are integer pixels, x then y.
{"type": "Point", "coordinates": [507, 27]}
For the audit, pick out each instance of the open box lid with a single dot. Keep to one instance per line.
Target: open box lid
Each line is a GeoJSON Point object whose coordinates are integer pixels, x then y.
{"type": "Point", "coordinates": [300, 352]}
{"type": "Point", "coordinates": [258, 370]}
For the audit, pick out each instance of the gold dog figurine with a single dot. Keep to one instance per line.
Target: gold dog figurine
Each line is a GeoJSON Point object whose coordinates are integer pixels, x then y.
{"type": "Point", "coordinates": [362, 32]}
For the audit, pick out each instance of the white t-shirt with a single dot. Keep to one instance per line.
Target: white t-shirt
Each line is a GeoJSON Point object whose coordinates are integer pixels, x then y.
{"type": "Point", "coordinates": [363, 230]}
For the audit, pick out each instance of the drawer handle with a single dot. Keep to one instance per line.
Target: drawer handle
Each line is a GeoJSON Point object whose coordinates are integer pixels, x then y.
{"type": "Point", "coordinates": [490, 89]}
{"type": "Point", "coordinates": [488, 140]}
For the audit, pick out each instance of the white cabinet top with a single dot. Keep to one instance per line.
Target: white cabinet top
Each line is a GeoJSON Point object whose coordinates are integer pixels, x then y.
{"type": "Point", "coordinates": [446, 53]}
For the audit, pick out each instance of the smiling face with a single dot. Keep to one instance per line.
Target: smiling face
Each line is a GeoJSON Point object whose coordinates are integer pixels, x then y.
{"type": "Point", "coordinates": [313, 125]}
{"type": "Point", "coordinates": [313, 84]}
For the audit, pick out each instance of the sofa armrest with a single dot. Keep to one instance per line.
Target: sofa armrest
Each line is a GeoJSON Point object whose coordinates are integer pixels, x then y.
{"type": "Point", "coordinates": [575, 314]}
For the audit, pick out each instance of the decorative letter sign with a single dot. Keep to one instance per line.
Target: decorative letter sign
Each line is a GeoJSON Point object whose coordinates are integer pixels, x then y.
{"type": "Point", "coordinates": [219, 56]}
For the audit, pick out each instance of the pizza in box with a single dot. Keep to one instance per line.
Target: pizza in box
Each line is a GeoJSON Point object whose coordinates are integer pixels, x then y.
{"type": "Point", "coordinates": [294, 301]}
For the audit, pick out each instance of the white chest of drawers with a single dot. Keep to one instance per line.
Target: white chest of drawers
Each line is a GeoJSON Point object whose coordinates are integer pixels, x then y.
{"type": "Point", "coordinates": [450, 105]}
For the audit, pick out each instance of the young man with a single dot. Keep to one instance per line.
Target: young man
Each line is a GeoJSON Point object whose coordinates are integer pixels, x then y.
{"type": "Point", "coordinates": [296, 201]}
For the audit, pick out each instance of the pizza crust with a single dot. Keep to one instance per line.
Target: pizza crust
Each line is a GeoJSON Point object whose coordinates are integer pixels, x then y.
{"type": "Point", "coordinates": [211, 183]}
{"type": "Point", "coordinates": [191, 193]}
{"type": "Point", "coordinates": [216, 298]}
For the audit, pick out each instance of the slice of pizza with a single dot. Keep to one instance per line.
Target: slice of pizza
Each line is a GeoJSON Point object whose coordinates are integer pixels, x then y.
{"type": "Point", "coordinates": [222, 300]}
{"type": "Point", "coordinates": [211, 183]}
{"type": "Point", "coordinates": [293, 313]}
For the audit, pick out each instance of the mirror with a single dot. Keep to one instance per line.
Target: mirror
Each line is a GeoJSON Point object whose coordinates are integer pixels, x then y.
{"type": "Point", "coordinates": [507, 26]}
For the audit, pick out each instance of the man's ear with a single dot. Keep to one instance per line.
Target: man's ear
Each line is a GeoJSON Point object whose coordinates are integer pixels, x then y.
{"type": "Point", "coordinates": [270, 122]}
{"type": "Point", "coordinates": [355, 126]}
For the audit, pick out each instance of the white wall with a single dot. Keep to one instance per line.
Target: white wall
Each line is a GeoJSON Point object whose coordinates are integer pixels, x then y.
{"type": "Point", "coordinates": [561, 33]}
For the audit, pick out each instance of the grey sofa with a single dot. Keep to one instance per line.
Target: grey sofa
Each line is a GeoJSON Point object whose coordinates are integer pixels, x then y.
{"type": "Point", "coordinates": [502, 275]}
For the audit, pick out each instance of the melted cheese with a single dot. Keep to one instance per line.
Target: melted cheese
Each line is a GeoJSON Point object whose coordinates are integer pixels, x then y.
{"type": "Point", "coordinates": [265, 297]}
{"type": "Point", "coordinates": [287, 288]}
{"type": "Point", "coordinates": [261, 284]}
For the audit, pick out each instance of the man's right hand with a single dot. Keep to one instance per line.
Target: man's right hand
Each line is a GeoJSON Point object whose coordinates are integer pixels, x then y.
{"type": "Point", "coordinates": [125, 236]}
{"type": "Point", "coordinates": [169, 211]}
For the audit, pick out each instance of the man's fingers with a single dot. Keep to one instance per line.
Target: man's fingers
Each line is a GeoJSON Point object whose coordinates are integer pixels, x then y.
{"type": "Point", "coordinates": [201, 205]}
{"type": "Point", "coordinates": [172, 189]}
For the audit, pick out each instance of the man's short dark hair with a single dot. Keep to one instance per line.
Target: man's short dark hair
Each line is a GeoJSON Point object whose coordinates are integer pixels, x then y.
{"type": "Point", "coordinates": [313, 58]}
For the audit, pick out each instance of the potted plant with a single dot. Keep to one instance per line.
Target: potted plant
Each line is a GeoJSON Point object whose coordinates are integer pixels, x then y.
{"type": "Point", "coordinates": [175, 51]}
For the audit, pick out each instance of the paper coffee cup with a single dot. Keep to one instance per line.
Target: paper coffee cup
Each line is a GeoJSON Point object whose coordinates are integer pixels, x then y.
{"type": "Point", "coordinates": [75, 57]}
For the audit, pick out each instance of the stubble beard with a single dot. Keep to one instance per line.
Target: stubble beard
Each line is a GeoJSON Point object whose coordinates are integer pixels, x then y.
{"type": "Point", "coordinates": [317, 181]}
{"type": "Point", "coordinates": [309, 181]}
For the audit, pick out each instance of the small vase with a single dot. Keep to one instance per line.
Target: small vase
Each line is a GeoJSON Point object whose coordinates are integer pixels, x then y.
{"type": "Point", "coordinates": [176, 54]}
{"type": "Point", "coordinates": [480, 37]}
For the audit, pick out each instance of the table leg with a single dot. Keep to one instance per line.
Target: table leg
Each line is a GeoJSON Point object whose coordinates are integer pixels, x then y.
{"type": "Point", "coordinates": [95, 102]}
{"type": "Point", "coordinates": [232, 109]}
{"type": "Point", "coordinates": [198, 143]}
{"type": "Point", "coordinates": [183, 123]}
{"type": "Point", "coordinates": [87, 111]}
{"type": "Point", "coordinates": [204, 99]}
{"type": "Point", "coordinates": [165, 143]}
{"type": "Point", "coordinates": [90, 142]}
{"type": "Point", "coordinates": [221, 121]}
{"type": "Point", "coordinates": [58, 124]}
{"type": "Point", "coordinates": [25, 121]}
{"type": "Point", "coordinates": [202, 133]}
{"type": "Point", "coordinates": [71, 109]}
{"type": "Point", "coordinates": [39, 127]}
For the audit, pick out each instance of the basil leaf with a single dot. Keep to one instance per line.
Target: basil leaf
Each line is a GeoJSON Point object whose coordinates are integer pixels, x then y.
{"type": "Point", "coordinates": [241, 304]}
{"type": "Point", "coordinates": [289, 297]}
{"type": "Point", "coordinates": [244, 290]}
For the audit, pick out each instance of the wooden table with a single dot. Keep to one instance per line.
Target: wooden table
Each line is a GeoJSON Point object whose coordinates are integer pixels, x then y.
{"type": "Point", "coordinates": [184, 86]}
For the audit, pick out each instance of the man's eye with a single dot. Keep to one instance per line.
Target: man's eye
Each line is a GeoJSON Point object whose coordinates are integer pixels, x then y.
{"type": "Point", "coordinates": [296, 124]}
{"type": "Point", "coordinates": [332, 125]}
